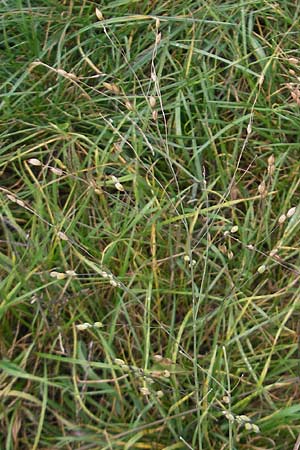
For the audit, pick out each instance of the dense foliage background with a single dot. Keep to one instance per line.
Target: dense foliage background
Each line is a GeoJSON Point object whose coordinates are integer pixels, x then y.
{"type": "Point", "coordinates": [149, 237]}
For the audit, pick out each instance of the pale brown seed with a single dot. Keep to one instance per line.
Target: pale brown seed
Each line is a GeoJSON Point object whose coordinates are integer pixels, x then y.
{"type": "Point", "coordinates": [119, 362]}
{"type": "Point", "coordinates": [261, 79]}
{"type": "Point", "coordinates": [71, 273]}
{"type": "Point", "coordinates": [223, 248]}
{"type": "Point", "coordinates": [20, 202]}
{"type": "Point", "coordinates": [11, 198]}
{"type": "Point", "coordinates": [72, 76]}
{"type": "Point", "coordinates": [262, 188]}
{"type": "Point", "coordinates": [296, 96]}
{"type": "Point", "coordinates": [34, 64]}
{"type": "Point", "coordinates": [144, 391]}
{"type": "Point", "coordinates": [99, 14]}
{"type": "Point", "coordinates": [293, 60]}
{"type": "Point", "coordinates": [57, 275]}
{"type": "Point", "coordinates": [62, 236]}
{"type": "Point", "coordinates": [129, 106]}
{"type": "Point", "coordinates": [66, 74]}
{"type": "Point", "coordinates": [282, 219]}
{"type": "Point", "coordinates": [62, 72]}
{"type": "Point", "coordinates": [112, 87]}
{"type": "Point", "coordinates": [154, 114]}
{"type": "Point", "coordinates": [152, 101]}
{"type": "Point", "coordinates": [229, 416]}
{"type": "Point", "coordinates": [230, 254]}
{"type": "Point", "coordinates": [34, 162]}
{"type": "Point", "coordinates": [117, 147]}
{"type": "Point", "coordinates": [271, 169]}
{"type": "Point", "coordinates": [119, 187]}
{"type": "Point", "coordinates": [244, 418]}
{"type": "Point", "coordinates": [83, 326]}
{"type": "Point", "coordinates": [261, 269]}
{"type": "Point", "coordinates": [56, 171]}
{"type": "Point", "coordinates": [104, 274]}
{"type": "Point", "coordinates": [291, 212]}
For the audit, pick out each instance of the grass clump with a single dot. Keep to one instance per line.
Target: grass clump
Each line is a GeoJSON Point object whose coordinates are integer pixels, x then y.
{"type": "Point", "coordinates": [149, 225]}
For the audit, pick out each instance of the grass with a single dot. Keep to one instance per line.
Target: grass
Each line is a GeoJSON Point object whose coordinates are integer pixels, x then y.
{"type": "Point", "coordinates": [149, 225]}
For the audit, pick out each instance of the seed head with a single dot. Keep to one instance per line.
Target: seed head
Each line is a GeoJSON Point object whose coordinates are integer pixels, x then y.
{"type": "Point", "coordinates": [104, 274]}
{"type": "Point", "coordinates": [112, 88]}
{"type": "Point", "coordinates": [12, 198]}
{"type": "Point", "coordinates": [152, 101]}
{"type": "Point", "coordinates": [230, 254]}
{"type": "Point", "coordinates": [262, 188]}
{"type": "Point", "coordinates": [57, 275]}
{"type": "Point", "coordinates": [261, 269]}
{"type": "Point", "coordinates": [129, 106]}
{"type": "Point", "coordinates": [154, 115]}
{"type": "Point", "coordinates": [228, 416]}
{"type": "Point", "coordinates": [56, 171]}
{"type": "Point", "coordinates": [293, 60]}
{"type": "Point", "coordinates": [83, 326]}
{"type": "Point", "coordinates": [119, 187]}
{"type": "Point", "coordinates": [119, 362]}
{"type": "Point", "coordinates": [244, 418]}
{"type": "Point", "coordinates": [20, 202]}
{"type": "Point", "coordinates": [99, 14]}
{"type": "Point", "coordinates": [34, 162]}
{"type": "Point", "coordinates": [71, 273]}
{"type": "Point", "coordinates": [282, 219]}
{"type": "Point", "coordinates": [291, 212]}
{"type": "Point", "coordinates": [144, 391]}
{"type": "Point", "coordinates": [62, 236]}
